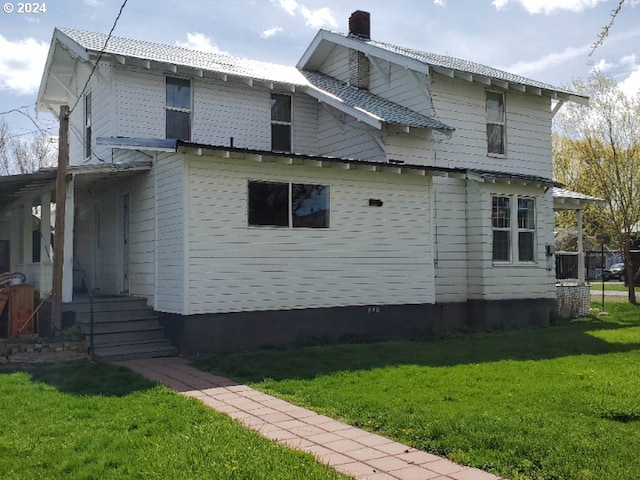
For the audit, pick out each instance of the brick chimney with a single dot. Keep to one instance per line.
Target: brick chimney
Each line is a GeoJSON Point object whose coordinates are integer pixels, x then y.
{"type": "Point", "coordinates": [359, 67]}
{"type": "Point", "coordinates": [360, 24]}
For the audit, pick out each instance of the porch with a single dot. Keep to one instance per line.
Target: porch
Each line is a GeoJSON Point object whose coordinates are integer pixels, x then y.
{"type": "Point", "coordinates": [573, 292]}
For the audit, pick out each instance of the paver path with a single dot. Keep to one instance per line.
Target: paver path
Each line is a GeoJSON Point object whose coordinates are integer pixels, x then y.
{"type": "Point", "coordinates": [347, 449]}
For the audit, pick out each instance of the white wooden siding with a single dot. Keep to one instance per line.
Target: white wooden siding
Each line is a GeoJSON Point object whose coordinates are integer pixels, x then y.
{"type": "Point", "coordinates": [369, 256]}
{"type": "Point", "coordinates": [221, 111]}
{"type": "Point", "coordinates": [451, 240]}
{"type": "Point", "coordinates": [305, 124]}
{"type": "Point", "coordinates": [170, 244]}
{"type": "Point", "coordinates": [102, 115]}
{"type": "Point", "coordinates": [528, 126]}
{"type": "Point", "coordinates": [336, 64]}
{"type": "Point", "coordinates": [500, 282]}
{"type": "Point", "coordinates": [342, 136]}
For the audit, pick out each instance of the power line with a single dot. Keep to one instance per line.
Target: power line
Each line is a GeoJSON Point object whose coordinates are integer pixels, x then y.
{"type": "Point", "coordinates": [95, 65]}
{"type": "Point", "coordinates": [17, 109]}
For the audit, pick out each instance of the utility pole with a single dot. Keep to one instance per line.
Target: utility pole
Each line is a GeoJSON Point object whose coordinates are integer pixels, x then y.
{"type": "Point", "coordinates": [61, 200]}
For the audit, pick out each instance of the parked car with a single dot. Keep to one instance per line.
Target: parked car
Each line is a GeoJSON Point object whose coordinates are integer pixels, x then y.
{"type": "Point", "coordinates": [614, 272]}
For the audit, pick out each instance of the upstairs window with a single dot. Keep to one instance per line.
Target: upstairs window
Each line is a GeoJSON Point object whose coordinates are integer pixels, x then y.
{"type": "Point", "coordinates": [514, 229]}
{"type": "Point", "coordinates": [87, 125]}
{"type": "Point", "coordinates": [280, 122]}
{"type": "Point", "coordinates": [495, 123]}
{"type": "Point", "coordinates": [295, 205]}
{"type": "Point", "coordinates": [178, 108]}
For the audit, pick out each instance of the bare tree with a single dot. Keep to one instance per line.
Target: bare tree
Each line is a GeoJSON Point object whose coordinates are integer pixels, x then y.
{"type": "Point", "coordinates": [25, 153]}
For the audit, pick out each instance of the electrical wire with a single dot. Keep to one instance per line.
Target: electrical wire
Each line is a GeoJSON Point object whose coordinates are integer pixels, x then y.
{"type": "Point", "coordinates": [95, 65]}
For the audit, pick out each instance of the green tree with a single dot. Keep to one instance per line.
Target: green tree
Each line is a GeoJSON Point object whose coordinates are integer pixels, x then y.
{"type": "Point", "coordinates": [597, 151]}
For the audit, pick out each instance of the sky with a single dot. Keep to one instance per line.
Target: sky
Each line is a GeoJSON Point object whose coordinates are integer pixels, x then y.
{"type": "Point", "coordinates": [546, 40]}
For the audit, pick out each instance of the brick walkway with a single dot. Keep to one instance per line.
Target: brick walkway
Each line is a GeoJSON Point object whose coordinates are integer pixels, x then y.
{"type": "Point", "coordinates": [347, 449]}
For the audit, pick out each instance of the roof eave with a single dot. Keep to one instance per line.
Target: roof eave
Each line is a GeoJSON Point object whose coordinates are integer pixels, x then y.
{"type": "Point", "coordinates": [359, 114]}
{"type": "Point", "coordinates": [58, 40]}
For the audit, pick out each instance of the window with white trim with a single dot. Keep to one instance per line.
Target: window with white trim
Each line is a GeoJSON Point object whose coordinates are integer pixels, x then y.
{"type": "Point", "coordinates": [178, 108]}
{"type": "Point", "coordinates": [280, 122]}
{"type": "Point", "coordinates": [87, 125]}
{"type": "Point", "coordinates": [496, 128]}
{"type": "Point", "coordinates": [514, 229]}
{"type": "Point", "coordinates": [295, 205]}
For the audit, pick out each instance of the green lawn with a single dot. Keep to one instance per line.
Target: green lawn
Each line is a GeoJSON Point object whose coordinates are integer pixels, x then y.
{"type": "Point", "coordinates": [554, 403]}
{"type": "Point", "coordinates": [611, 287]}
{"type": "Point", "coordinates": [96, 421]}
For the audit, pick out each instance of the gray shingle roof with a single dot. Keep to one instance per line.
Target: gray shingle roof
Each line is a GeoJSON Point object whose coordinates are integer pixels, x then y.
{"type": "Point", "coordinates": [445, 61]}
{"type": "Point", "coordinates": [209, 61]}
{"type": "Point", "coordinates": [378, 107]}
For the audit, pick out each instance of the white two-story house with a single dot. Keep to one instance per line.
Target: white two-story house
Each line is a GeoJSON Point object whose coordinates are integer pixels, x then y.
{"type": "Point", "coordinates": [371, 190]}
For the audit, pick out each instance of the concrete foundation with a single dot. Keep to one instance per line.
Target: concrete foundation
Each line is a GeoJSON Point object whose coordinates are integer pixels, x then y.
{"type": "Point", "coordinates": [228, 332]}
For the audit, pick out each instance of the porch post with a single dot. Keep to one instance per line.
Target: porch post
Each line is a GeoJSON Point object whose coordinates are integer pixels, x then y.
{"type": "Point", "coordinates": [67, 267]}
{"type": "Point", "coordinates": [14, 249]}
{"type": "Point", "coordinates": [580, 249]}
{"type": "Point", "coordinates": [46, 269]}
{"type": "Point", "coordinates": [27, 236]}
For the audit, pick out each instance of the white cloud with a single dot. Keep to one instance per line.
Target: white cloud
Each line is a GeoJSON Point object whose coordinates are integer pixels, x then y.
{"type": "Point", "coordinates": [323, 17]}
{"type": "Point", "coordinates": [271, 32]}
{"type": "Point", "coordinates": [602, 66]}
{"type": "Point", "coordinates": [21, 64]}
{"type": "Point", "coordinates": [94, 3]}
{"type": "Point", "coordinates": [549, 6]}
{"type": "Point", "coordinates": [289, 6]}
{"type": "Point", "coordinates": [438, 3]}
{"type": "Point", "coordinates": [199, 41]}
{"type": "Point", "coordinates": [631, 85]}
{"type": "Point", "coordinates": [548, 61]}
{"type": "Point", "coordinates": [629, 60]}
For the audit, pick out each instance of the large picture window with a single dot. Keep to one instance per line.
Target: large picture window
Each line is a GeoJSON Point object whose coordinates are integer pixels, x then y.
{"type": "Point", "coordinates": [295, 205]}
{"type": "Point", "coordinates": [280, 122]}
{"type": "Point", "coordinates": [514, 229]}
{"type": "Point", "coordinates": [178, 108]}
{"type": "Point", "coordinates": [495, 123]}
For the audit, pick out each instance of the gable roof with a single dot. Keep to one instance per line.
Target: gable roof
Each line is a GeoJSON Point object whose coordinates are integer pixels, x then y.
{"type": "Point", "coordinates": [424, 62]}
{"type": "Point", "coordinates": [370, 108]}
{"type": "Point", "coordinates": [68, 45]}
{"type": "Point", "coordinates": [184, 57]}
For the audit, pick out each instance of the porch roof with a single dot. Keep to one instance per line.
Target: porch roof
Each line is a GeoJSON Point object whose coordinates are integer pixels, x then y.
{"type": "Point", "coordinates": [30, 186]}
{"type": "Point", "coordinates": [14, 187]}
{"type": "Point", "coordinates": [564, 199]}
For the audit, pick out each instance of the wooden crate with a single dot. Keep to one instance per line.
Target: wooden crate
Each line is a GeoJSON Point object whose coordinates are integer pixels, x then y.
{"type": "Point", "coordinates": [20, 310]}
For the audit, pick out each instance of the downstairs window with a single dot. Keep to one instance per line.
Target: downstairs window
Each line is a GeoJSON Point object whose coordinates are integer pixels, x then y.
{"type": "Point", "coordinates": [293, 205]}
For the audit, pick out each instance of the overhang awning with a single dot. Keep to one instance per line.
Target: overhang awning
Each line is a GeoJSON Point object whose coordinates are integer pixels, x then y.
{"type": "Point", "coordinates": [29, 187]}
{"type": "Point", "coordinates": [26, 186]}
{"type": "Point", "coordinates": [489, 176]}
{"type": "Point", "coordinates": [564, 199]}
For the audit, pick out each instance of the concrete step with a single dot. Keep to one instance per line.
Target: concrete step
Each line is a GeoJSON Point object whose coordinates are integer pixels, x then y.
{"type": "Point", "coordinates": [107, 304]}
{"type": "Point", "coordinates": [136, 350]}
{"type": "Point", "coordinates": [117, 316]}
{"type": "Point", "coordinates": [125, 338]}
{"type": "Point", "coordinates": [117, 327]}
